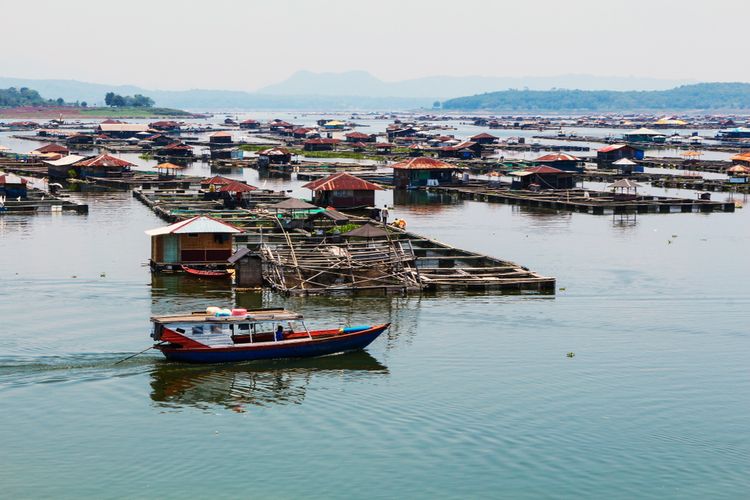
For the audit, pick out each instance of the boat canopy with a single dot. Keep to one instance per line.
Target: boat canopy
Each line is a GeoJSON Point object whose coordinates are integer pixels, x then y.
{"type": "Point", "coordinates": [253, 316]}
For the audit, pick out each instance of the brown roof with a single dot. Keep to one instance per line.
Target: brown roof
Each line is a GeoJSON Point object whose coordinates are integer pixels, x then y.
{"type": "Point", "coordinates": [369, 230]}
{"type": "Point", "coordinates": [357, 135]}
{"type": "Point", "coordinates": [237, 187]}
{"type": "Point", "coordinates": [483, 135]}
{"type": "Point", "coordinates": [552, 157]}
{"type": "Point", "coordinates": [52, 148]}
{"type": "Point", "coordinates": [104, 160]}
{"type": "Point", "coordinates": [341, 181]}
{"type": "Point", "coordinates": [216, 180]}
{"type": "Point", "coordinates": [423, 163]}
{"type": "Point", "coordinates": [293, 204]}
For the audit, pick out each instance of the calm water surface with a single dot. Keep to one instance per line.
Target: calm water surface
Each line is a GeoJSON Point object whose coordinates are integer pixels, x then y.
{"type": "Point", "coordinates": [468, 395]}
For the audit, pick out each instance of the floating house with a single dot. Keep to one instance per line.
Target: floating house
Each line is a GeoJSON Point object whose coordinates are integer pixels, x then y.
{"type": "Point", "coordinates": [64, 167]}
{"type": "Point", "coordinates": [104, 165]}
{"type": "Point", "coordinates": [250, 124]}
{"type": "Point", "coordinates": [13, 186]}
{"type": "Point", "coordinates": [80, 140]}
{"type": "Point", "coordinates": [642, 135]}
{"type": "Point", "coordinates": [464, 151]}
{"type": "Point", "coordinates": [484, 138]}
{"type": "Point", "coordinates": [53, 148]}
{"type": "Point", "coordinates": [562, 161]}
{"type": "Point", "coordinates": [613, 152]}
{"type": "Point", "coordinates": [165, 126]}
{"type": "Point", "coordinates": [543, 177]}
{"type": "Point", "coordinates": [220, 138]}
{"type": "Point", "coordinates": [216, 181]}
{"type": "Point", "coordinates": [121, 130]}
{"type": "Point", "coordinates": [732, 134]}
{"type": "Point", "coordinates": [422, 171]}
{"type": "Point", "coordinates": [343, 191]}
{"type": "Point", "coordinates": [742, 159]}
{"type": "Point", "coordinates": [360, 137]}
{"type": "Point", "coordinates": [334, 125]}
{"type": "Point", "coordinates": [279, 156]}
{"type": "Point", "coordinates": [626, 166]}
{"type": "Point", "coordinates": [176, 149]}
{"type": "Point", "coordinates": [199, 240]}
{"type": "Point", "coordinates": [320, 144]}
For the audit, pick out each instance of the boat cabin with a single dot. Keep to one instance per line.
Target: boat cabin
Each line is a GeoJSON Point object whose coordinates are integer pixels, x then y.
{"type": "Point", "coordinates": [238, 326]}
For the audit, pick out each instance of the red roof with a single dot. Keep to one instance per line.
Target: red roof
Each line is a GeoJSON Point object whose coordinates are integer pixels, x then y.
{"type": "Point", "coordinates": [359, 145]}
{"type": "Point", "coordinates": [52, 148]}
{"type": "Point", "coordinates": [280, 123]}
{"type": "Point", "coordinates": [357, 135]}
{"type": "Point", "coordinates": [323, 141]}
{"type": "Point", "coordinates": [612, 147]}
{"type": "Point", "coordinates": [383, 145]}
{"type": "Point", "coordinates": [423, 163]}
{"type": "Point", "coordinates": [221, 133]}
{"type": "Point", "coordinates": [341, 181]}
{"type": "Point", "coordinates": [237, 187]}
{"type": "Point", "coordinates": [104, 160]}
{"type": "Point", "coordinates": [217, 180]}
{"type": "Point", "coordinates": [552, 157]}
{"type": "Point", "coordinates": [543, 170]}
{"type": "Point", "coordinates": [301, 130]}
{"type": "Point", "coordinates": [249, 121]}
{"type": "Point", "coordinates": [111, 121]}
{"type": "Point", "coordinates": [274, 152]}
{"type": "Point", "coordinates": [483, 135]}
{"type": "Point", "coordinates": [164, 123]}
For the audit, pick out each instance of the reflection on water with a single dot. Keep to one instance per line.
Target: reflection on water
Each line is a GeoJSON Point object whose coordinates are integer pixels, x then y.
{"type": "Point", "coordinates": [435, 201]}
{"type": "Point", "coordinates": [235, 386]}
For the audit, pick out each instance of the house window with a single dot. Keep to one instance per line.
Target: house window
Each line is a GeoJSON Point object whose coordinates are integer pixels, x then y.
{"type": "Point", "coordinates": [192, 235]}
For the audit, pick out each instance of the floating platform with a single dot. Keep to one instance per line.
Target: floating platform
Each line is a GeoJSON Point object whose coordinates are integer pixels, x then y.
{"type": "Point", "coordinates": [585, 201]}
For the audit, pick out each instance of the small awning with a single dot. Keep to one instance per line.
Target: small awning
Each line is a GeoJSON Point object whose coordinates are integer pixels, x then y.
{"type": "Point", "coordinates": [369, 230]}
{"type": "Point", "coordinates": [293, 204]}
{"type": "Point", "coordinates": [196, 225]}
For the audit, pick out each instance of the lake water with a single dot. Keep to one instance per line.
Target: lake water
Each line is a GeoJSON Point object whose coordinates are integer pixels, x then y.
{"type": "Point", "coordinates": [467, 395]}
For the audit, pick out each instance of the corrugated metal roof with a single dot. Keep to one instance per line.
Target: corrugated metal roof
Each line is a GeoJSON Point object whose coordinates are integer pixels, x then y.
{"type": "Point", "coordinates": [66, 160]}
{"type": "Point", "coordinates": [199, 224]}
{"type": "Point", "coordinates": [123, 127]}
{"type": "Point", "coordinates": [423, 163]}
{"type": "Point", "coordinates": [341, 181]}
{"type": "Point", "coordinates": [552, 157]}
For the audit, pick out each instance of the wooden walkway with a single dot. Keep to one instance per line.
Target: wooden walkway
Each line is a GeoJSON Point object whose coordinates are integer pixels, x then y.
{"type": "Point", "coordinates": [584, 201]}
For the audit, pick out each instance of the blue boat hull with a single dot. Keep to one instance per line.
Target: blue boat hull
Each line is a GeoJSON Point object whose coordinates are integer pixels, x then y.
{"type": "Point", "coordinates": [251, 352]}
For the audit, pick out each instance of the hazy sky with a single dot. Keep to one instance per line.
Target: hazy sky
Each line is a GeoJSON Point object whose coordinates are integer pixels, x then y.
{"type": "Point", "coordinates": [244, 45]}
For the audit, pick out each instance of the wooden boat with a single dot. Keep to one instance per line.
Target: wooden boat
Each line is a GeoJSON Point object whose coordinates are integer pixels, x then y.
{"type": "Point", "coordinates": [205, 273]}
{"type": "Point", "coordinates": [204, 337]}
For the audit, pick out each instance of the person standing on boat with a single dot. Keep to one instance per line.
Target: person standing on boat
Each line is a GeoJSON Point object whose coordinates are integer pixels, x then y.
{"type": "Point", "coordinates": [384, 215]}
{"type": "Point", "coordinates": [279, 333]}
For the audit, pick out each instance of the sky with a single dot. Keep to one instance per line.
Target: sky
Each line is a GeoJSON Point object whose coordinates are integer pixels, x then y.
{"type": "Point", "coordinates": [245, 45]}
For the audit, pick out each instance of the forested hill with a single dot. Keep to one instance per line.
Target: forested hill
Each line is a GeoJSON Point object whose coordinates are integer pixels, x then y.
{"type": "Point", "coordinates": [24, 97]}
{"type": "Point", "coordinates": [701, 96]}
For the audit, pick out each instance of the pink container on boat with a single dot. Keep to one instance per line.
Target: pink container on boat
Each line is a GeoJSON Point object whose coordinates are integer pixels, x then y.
{"type": "Point", "coordinates": [239, 312]}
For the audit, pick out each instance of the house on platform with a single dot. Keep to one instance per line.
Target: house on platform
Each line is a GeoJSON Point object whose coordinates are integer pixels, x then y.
{"type": "Point", "coordinates": [201, 240]}
{"type": "Point", "coordinates": [484, 138]}
{"type": "Point", "coordinates": [279, 156]}
{"type": "Point", "coordinates": [334, 125]}
{"type": "Point", "coordinates": [80, 140]}
{"type": "Point", "coordinates": [121, 130]}
{"type": "Point", "coordinates": [176, 150]}
{"type": "Point", "coordinates": [320, 144]}
{"type": "Point", "coordinates": [360, 137]}
{"type": "Point", "coordinates": [13, 186]}
{"type": "Point", "coordinates": [221, 137]}
{"type": "Point", "coordinates": [159, 140]}
{"type": "Point", "coordinates": [543, 177]}
{"type": "Point", "coordinates": [642, 135]}
{"type": "Point", "coordinates": [279, 126]}
{"type": "Point", "coordinates": [422, 171]}
{"type": "Point", "coordinates": [305, 133]}
{"type": "Point", "coordinates": [397, 131]}
{"type": "Point", "coordinates": [383, 147]}
{"type": "Point", "coordinates": [53, 148]}
{"type": "Point", "coordinates": [165, 126]}
{"type": "Point", "coordinates": [250, 124]}
{"type": "Point", "coordinates": [217, 181]}
{"type": "Point", "coordinates": [464, 151]}
{"type": "Point", "coordinates": [343, 191]}
{"type": "Point", "coordinates": [562, 161]}
{"type": "Point", "coordinates": [104, 165]}
{"type": "Point", "coordinates": [64, 167]}
{"type": "Point", "coordinates": [614, 152]}
{"type": "Point", "coordinates": [742, 159]}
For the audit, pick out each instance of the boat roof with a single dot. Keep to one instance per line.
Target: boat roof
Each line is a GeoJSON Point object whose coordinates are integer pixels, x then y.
{"type": "Point", "coordinates": [202, 317]}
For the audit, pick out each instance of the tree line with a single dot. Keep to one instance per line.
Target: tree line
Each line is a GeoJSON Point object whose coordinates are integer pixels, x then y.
{"type": "Point", "coordinates": [135, 101]}
{"type": "Point", "coordinates": [13, 97]}
{"type": "Point", "coordinates": [685, 97]}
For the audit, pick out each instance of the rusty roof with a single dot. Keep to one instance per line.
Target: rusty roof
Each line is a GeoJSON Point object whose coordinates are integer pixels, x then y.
{"type": "Point", "coordinates": [104, 160]}
{"type": "Point", "coordinates": [341, 181]}
{"type": "Point", "coordinates": [423, 163]}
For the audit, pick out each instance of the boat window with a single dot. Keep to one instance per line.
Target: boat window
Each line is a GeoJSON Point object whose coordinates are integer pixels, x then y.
{"type": "Point", "coordinates": [198, 330]}
{"type": "Point", "coordinates": [216, 328]}
{"type": "Point", "coordinates": [180, 330]}
{"type": "Point", "coordinates": [244, 326]}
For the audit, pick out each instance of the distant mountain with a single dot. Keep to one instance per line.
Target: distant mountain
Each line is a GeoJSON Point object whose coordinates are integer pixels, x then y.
{"type": "Point", "coordinates": [362, 83]}
{"type": "Point", "coordinates": [702, 96]}
{"type": "Point", "coordinates": [93, 94]}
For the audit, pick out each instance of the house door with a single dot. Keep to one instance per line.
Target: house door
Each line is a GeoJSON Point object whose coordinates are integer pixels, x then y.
{"type": "Point", "coordinates": [171, 248]}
